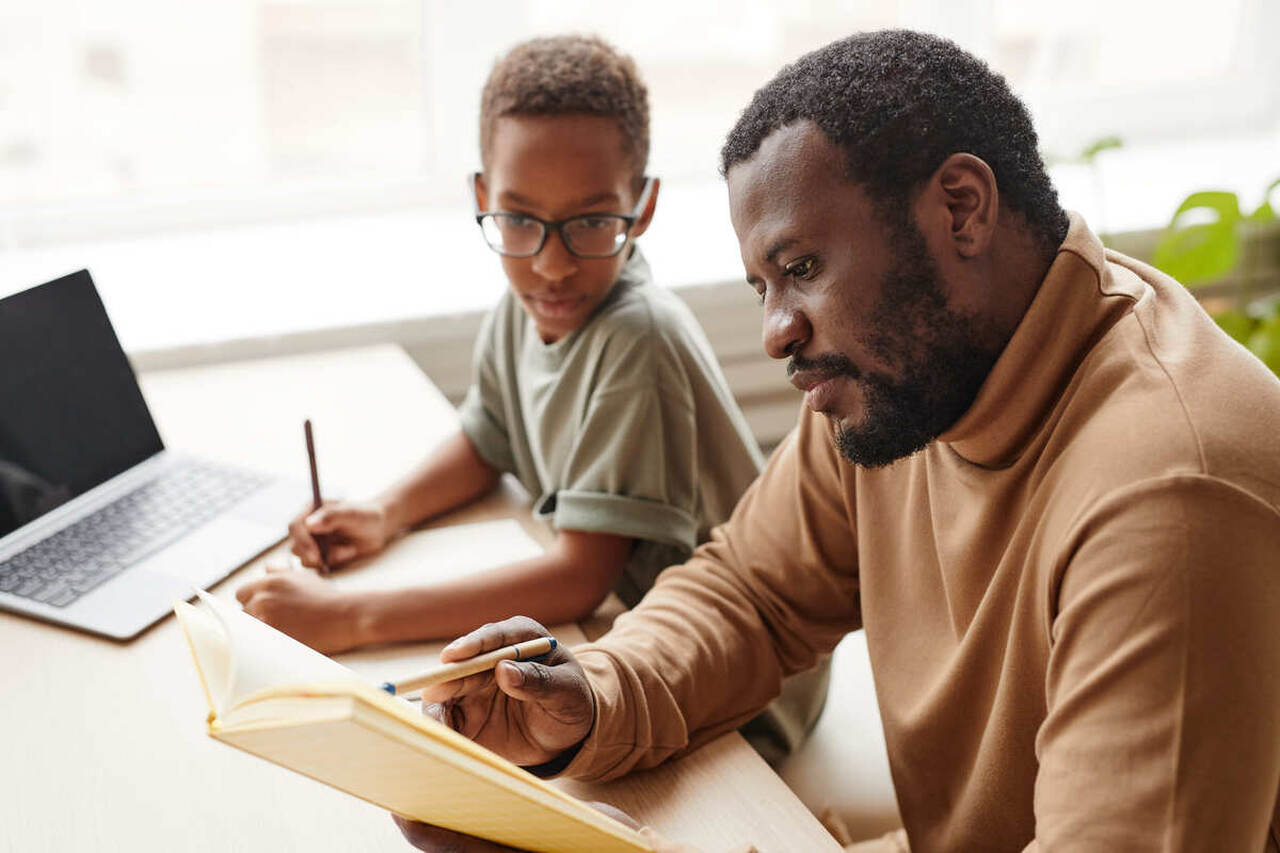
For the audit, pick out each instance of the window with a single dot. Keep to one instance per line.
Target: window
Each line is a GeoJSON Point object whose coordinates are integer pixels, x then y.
{"type": "Point", "coordinates": [125, 116]}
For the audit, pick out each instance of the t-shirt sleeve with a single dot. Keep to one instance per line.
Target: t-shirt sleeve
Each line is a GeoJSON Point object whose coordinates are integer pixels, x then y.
{"type": "Point", "coordinates": [483, 411]}
{"type": "Point", "coordinates": [632, 469]}
{"type": "Point", "coordinates": [1164, 675]}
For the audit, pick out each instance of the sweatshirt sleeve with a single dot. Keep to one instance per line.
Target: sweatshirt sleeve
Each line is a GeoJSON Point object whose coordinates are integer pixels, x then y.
{"type": "Point", "coordinates": [1164, 675]}
{"type": "Point", "coordinates": [708, 647]}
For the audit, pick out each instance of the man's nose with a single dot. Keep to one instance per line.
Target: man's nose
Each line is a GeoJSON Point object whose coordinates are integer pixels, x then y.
{"type": "Point", "coordinates": [786, 329]}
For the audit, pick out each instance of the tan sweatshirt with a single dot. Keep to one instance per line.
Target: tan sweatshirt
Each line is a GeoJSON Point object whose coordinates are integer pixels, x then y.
{"type": "Point", "coordinates": [1071, 599]}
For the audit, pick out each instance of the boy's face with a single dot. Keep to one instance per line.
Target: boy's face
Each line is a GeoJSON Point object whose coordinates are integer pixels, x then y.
{"type": "Point", "coordinates": [555, 167]}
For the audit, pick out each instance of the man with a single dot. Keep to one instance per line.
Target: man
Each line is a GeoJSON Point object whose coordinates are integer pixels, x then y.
{"type": "Point", "coordinates": [1035, 472]}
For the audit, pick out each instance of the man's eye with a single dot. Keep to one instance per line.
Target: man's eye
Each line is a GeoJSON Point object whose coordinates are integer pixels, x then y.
{"type": "Point", "coordinates": [802, 268]}
{"type": "Point", "coordinates": [598, 223]}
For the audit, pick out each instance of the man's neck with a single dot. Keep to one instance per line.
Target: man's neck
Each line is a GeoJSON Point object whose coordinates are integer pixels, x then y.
{"type": "Point", "coordinates": [1019, 265]}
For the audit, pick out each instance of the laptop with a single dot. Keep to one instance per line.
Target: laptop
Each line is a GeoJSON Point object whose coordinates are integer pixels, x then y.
{"type": "Point", "coordinates": [102, 527]}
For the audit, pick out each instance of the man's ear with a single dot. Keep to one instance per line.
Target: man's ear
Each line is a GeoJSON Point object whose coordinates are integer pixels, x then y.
{"type": "Point", "coordinates": [968, 201]}
{"type": "Point", "coordinates": [646, 216]}
{"type": "Point", "coordinates": [480, 192]}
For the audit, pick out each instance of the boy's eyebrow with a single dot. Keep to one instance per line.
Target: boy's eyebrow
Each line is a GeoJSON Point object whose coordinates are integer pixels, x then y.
{"type": "Point", "coordinates": [508, 197]}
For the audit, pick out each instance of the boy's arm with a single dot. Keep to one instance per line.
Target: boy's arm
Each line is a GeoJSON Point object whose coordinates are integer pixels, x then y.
{"type": "Point", "coordinates": [451, 476]}
{"type": "Point", "coordinates": [563, 585]}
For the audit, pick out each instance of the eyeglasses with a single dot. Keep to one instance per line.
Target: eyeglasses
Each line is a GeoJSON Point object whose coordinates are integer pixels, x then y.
{"type": "Point", "coordinates": [589, 235]}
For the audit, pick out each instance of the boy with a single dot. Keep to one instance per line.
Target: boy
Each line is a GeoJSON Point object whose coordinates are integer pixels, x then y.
{"type": "Point", "coordinates": [594, 387]}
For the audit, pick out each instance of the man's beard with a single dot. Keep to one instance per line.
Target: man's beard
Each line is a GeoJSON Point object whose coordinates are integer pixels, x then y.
{"type": "Point", "coordinates": [944, 357]}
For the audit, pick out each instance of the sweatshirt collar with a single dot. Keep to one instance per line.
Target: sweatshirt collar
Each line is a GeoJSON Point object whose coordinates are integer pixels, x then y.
{"type": "Point", "coordinates": [1077, 302]}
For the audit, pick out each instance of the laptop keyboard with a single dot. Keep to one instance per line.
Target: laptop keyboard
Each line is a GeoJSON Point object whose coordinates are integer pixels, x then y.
{"type": "Point", "coordinates": [60, 569]}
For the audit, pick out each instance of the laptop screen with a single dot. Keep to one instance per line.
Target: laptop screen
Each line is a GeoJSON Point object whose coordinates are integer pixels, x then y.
{"type": "Point", "coordinates": [71, 413]}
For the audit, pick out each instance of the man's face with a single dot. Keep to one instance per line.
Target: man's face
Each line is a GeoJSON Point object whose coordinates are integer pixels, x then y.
{"type": "Point", "coordinates": [555, 167]}
{"type": "Point", "coordinates": [858, 306]}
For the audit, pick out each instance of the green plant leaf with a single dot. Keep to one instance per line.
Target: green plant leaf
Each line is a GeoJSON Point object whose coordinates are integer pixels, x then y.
{"type": "Point", "coordinates": [1236, 324]}
{"type": "Point", "coordinates": [1265, 212]}
{"type": "Point", "coordinates": [1265, 344]}
{"type": "Point", "coordinates": [1093, 149]}
{"type": "Point", "coordinates": [1202, 251]}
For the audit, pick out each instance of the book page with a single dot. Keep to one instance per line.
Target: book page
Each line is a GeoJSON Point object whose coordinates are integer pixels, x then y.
{"type": "Point", "coordinates": [207, 640]}
{"type": "Point", "coordinates": [255, 656]}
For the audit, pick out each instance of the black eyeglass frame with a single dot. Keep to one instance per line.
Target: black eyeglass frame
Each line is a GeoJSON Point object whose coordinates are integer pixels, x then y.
{"type": "Point", "coordinates": [558, 225]}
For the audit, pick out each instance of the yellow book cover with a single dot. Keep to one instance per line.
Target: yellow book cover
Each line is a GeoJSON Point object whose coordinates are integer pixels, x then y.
{"type": "Point", "coordinates": [271, 696]}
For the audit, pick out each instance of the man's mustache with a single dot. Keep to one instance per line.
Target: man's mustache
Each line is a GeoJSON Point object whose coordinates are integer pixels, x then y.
{"type": "Point", "coordinates": [827, 365]}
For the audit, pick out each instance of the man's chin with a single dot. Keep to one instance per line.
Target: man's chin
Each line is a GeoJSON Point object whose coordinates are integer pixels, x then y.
{"type": "Point", "coordinates": [839, 425]}
{"type": "Point", "coordinates": [871, 444]}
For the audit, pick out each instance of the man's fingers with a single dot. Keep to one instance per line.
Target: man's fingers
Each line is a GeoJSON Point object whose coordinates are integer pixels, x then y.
{"type": "Point", "coordinates": [458, 688]}
{"type": "Point", "coordinates": [528, 681]}
{"type": "Point", "coordinates": [492, 636]}
{"type": "Point", "coordinates": [558, 690]}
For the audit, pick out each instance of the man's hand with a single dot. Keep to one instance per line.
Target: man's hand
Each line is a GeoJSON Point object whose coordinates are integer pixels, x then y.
{"type": "Point", "coordinates": [305, 607]}
{"type": "Point", "coordinates": [528, 712]}
{"type": "Point", "coordinates": [350, 530]}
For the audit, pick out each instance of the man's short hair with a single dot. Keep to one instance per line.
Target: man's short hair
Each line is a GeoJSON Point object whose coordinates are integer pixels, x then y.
{"type": "Point", "coordinates": [899, 103]}
{"type": "Point", "coordinates": [568, 75]}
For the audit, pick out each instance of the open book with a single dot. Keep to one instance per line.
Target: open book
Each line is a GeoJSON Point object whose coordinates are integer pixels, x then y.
{"type": "Point", "coordinates": [271, 696]}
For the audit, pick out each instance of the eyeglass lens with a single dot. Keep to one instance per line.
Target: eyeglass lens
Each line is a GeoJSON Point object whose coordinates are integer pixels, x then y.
{"type": "Point", "coordinates": [589, 236]}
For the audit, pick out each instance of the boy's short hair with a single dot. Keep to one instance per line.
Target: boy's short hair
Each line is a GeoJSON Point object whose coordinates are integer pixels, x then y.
{"type": "Point", "coordinates": [568, 75]}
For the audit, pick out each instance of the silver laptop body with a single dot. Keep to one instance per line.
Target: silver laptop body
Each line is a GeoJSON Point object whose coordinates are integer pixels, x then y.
{"type": "Point", "coordinates": [101, 527]}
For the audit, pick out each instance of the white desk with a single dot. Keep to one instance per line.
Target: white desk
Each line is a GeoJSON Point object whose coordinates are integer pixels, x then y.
{"type": "Point", "coordinates": [104, 745]}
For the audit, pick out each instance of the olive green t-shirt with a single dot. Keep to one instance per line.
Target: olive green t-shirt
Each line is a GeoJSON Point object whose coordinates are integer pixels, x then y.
{"type": "Point", "coordinates": [626, 426]}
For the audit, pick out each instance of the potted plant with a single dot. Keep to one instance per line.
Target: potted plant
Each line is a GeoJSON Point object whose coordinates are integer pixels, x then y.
{"type": "Point", "coordinates": [1210, 240]}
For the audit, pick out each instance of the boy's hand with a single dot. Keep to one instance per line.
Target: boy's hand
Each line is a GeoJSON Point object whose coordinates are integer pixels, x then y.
{"type": "Point", "coordinates": [350, 530]}
{"type": "Point", "coordinates": [528, 712]}
{"type": "Point", "coordinates": [305, 607]}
